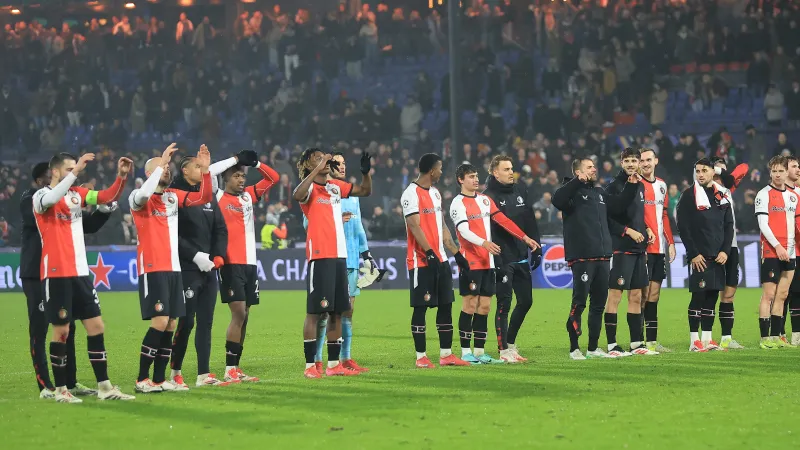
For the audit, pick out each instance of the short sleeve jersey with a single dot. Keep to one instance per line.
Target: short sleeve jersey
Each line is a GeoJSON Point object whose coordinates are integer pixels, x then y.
{"type": "Point", "coordinates": [780, 206]}
{"type": "Point", "coordinates": [428, 204]}
{"type": "Point", "coordinates": [61, 229]}
{"type": "Point", "coordinates": [323, 209]}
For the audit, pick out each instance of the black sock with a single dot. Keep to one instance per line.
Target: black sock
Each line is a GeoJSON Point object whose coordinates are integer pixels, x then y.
{"type": "Point", "coordinates": [72, 368]}
{"type": "Point", "coordinates": [707, 313]}
{"type": "Point", "coordinates": [418, 329]}
{"type": "Point", "coordinates": [310, 350]}
{"type": "Point", "coordinates": [775, 325]}
{"type": "Point", "coordinates": [465, 329]}
{"type": "Point", "coordinates": [611, 327]}
{"type": "Point", "coordinates": [334, 348]}
{"type": "Point", "coordinates": [239, 358]}
{"type": "Point", "coordinates": [635, 326]}
{"type": "Point", "coordinates": [444, 325]}
{"type": "Point", "coordinates": [480, 327]}
{"type": "Point", "coordinates": [232, 352]}
{"type": "Point", "coordinates": [794, 311]}
{"type": "Point", "coordinates": [726, 318]}
{"type": "Point", "coordinates": [651, 321]}
{"type": "Point", "coordinates": [501, 322]}
{"type": "Point", "coordinates": [595, 328]}
{"type": "Point", "coordinates": [58, 361]}
{"type": "Point", "coordinates": [180, 341]}
{"type": "Point", "coordinates": [162, 359]}
{"type": "Point", "coordinates": [97, 356]}
{"type": "Point", "coordinates": [763, 326]}
{"type": "Point", "coordinates": [150, 345]}
{"type": "Point", "coordinates": [574, 326]}
{"type": "Point", "coordinates": [695, 305]}
{"type": "Point", "coordinates": [785, 315]}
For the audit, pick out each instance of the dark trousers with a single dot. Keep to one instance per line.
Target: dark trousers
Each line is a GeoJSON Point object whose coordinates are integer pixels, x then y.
{"type": "Point", "coordinates": [200, 290]}
{"type": "Point", "coordinates": [590, 279]}
{"type": "Point", "coordinates": [512, 279]}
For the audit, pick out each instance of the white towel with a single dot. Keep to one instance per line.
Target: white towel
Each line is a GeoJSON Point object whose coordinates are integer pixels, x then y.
{"type": "Point", "coordinates": [701, 198]}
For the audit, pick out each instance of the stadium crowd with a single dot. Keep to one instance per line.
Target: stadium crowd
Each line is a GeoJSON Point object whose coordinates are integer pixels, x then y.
{"type": "Point", "coordinates": [543, 84]}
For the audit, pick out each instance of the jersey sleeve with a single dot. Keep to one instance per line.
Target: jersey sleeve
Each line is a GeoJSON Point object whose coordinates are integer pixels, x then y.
{"type": "Point", "coordinates": [346, 187]}
{"type": "Point", "coordinates": [204, 195]}
{"type": "Point", "coordinates": [132, 201]}
{"type": "Point", "coordinates": [410, 202]}
{"type": "Point", "coordinates": [762, 202]}
{"type": "Point", "coordinates": [38, 204]}
{"type": "Point", "coordinates": [458, 212]}
{"type": "Point", "coordinates": [309, 194]}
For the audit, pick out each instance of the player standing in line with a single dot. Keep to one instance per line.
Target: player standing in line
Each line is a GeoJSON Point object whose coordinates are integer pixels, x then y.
{"type": "Point", "coordinates": [705, 222]}
{"type": "Point", "coordinates": [776, 211]}
{"type": "Point", "coordinates": [238, 278]}
{"type": "Point", "coordinates": [514, 264]}
{"type": "Point", "coordinates": [630, 237]}
{"type": "Point", "coordinates": [154, 207]}
{"type": "Point", "coordinates": [429, 270]}
{"type": "Point", "coordinates": [326, 251]}
{"type": "Point", "coordinates": [68, 292]}
{"type": "Point", "coordinates": [356, 241]}
{"type": "Point", "coordinates": [473, 214]}
{"type": "Point", "coordinates": [656, 219]}
{"type": "Point", "coordinates": [727, 183]}
{"type": "Point", "coordinates": [792, 304]}
{"type": "Point", "coordinates": [30, 273]}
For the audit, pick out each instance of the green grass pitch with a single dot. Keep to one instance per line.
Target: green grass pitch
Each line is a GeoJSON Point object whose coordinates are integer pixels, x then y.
{"type": "Point", "coordinates": [731, 400]}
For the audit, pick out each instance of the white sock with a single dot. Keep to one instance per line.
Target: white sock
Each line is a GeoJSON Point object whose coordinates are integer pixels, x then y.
{"type": "Point", "coordinates": [465, 351]}
{"type": "Point", "coordinates": [309, 365]}
{"type": "Point", "coordinates": [174, 373]}
{"type": "Point", "coordinates": [445, 352]}
{"type": "Point", "coordinates": [512, 346]}
{"type": "Point", "coordinates": [727, 338]}
{"type": "Point", "coordinates": [795, 334]}
{"type": "Point", "coordinates": [636, 344]}
{"type": "Point", "coordinates": [421, 355]}
{"type": "Point", "coordinates": [332, 364]}
{"type": "Point", "coordinates": [202, 377]}
{"type": "Point", "coordinates": [61, 389]}
{"type": "Point", "coordinates": [706, 336]}
{"type": "Point", "coordinates": [105, 385]}
{"type": "Point", "coordinates": [611, 346]}
{"type": "Point", "coordinates": [227, 368]}
{"type": "Point", "coordinates": [478, 352]}
{"type": "Point", "coordinates": [694, 336]}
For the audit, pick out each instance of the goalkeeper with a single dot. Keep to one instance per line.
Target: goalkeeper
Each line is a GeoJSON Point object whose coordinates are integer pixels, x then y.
{"type": "Point", "coordinates": [356, 240]}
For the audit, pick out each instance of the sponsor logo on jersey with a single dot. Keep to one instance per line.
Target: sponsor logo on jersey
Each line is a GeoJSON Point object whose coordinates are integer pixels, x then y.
{"type": "Point", "coordinates": [557, 273]}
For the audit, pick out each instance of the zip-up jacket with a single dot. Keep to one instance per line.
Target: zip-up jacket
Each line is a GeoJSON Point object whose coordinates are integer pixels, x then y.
{"type": "Point", "coordinates": [705, 231]}
{"type": "Point", "coordinates": [512, 200]}
{"type": "Point", "coordinates": [632, 217]}
{"type": "Point", "coordinates": [200, 229]}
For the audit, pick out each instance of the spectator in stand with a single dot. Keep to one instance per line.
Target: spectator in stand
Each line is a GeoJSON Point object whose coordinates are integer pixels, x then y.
{"type": "Point", "coordinates": [547, 215]}
{"type": "Point", "coordinates": [129, 230]}
{"type": "Point", "coordinates": [793, 105]}
{"type": "Point", "coordinates": [410, 119]}
{"type": "Point", "coordinates": [758, 75]}
{"type": "Point", "coordinates": [379, 224]}
{"type": "Point", "coordinates": [773, 106]}
{"type": "Point", "coordinates": [658, 105]}
{"type": "Point", "coordinates": [754, 150]}
{"type": "Point", "coordinates": [783, 147]}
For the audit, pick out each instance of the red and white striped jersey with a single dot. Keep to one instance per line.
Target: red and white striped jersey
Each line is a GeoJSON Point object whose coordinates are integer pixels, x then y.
{"type": "Point", "coordinates": [656, 215]}
{"type": "Point", "coordinates": [61, 229]}
{"type": "Point", "coordinates": [428, 204]}
{"type": "Point", "coordinates": [780, 206]}
{"type": "Point", "coordinates": [323, 209]}
{"type": "Point", "coordinates": [478, 212]}
{"type": "Point", "coordinates": [157, 226]}
{"type": "Point", "coordinates": [237, 210]}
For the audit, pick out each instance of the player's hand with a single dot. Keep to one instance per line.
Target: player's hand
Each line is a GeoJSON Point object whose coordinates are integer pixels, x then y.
{"type": "Point", "coordinates": [218, 262]}
{"type": "Point", "coordinates": [721, 258]}
{"type": "Point", "coordinates": [204, 158]}
{"type": "Point", "coordinates": [493, 248]}
{"type": "Point", "coordinates": [346, 216]}
{"type": "Point", "coordinates": [81, 164]}
{"type": "Point", "coordinates": [109, 208]}
{"type": "Point", "coordinates": [635, 235]}
{"type": "Point", "coordinates": [651, 237]}
{"type": "Point", "coordinates": [203, 261]}
{"type": "Point", "coordinates": [781, 252]}
{"type": "Point", "coordinates": [531, 243]}
{"type": "Point", "coordinates": [369, 261]}
{"type": "Point", "coordinates": [536, 258]}
{"type": "Point", "coordinates": [430, 255]}
{"type": "Point", "coordinates": [583, 178]}
{"type": "Point", "coordinates": [699, 263]}
{"type": "Point", "coordinates": [671, 252]}
{"type": "Point", "coordinates": [462, 262]}
{"type": "Point", "coordinates": [634, 178]}
{"type": "Point", "coordinates": [124, 167]}
{"type": "Point", "coordinates": [167, 155]}
{"type": "Point", "coordinates": [366, 163]}
{"type": "Point", "coordinates": [247, 158]}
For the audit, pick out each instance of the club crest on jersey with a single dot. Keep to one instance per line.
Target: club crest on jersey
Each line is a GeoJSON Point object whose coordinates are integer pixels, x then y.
{"type": "Point", "coordinates": [702, 284]}
{"type": "Point", "coordinates": [486, 201]}
{"type": "Point", "coordinates": [663, 190]}
{"type": "Point", "coordinates": [189, 293]}
{"type": "Point", "coordinates": [620, 281]}
{"type": "Point", "coordinates": [324, 302]}
{"type": "Point", "coordinates": [75, 200]}
{"type": "Point", "coordinates": [159, 306]}
{"type": "Point", "coordinates": [438, 197]}
{"type": "Point", "coordinates": [62, 313]}
{"type": "Point", "coordinates": [334, 190]}
{"type": "Point", "coordinates": [520, 200]}
{"type": "Point", "coordinates": [246, 197]}
{"type": "Point", "coordinates": [585, 277]}
{"type": "Point", "coordinates": [472, 286]}
{"type": "Point", "coordinates": [170, 199]}
{"type": "Point", "coordinates": [427, 297]}
{"type": "Point", "coordinates": [792, 198]}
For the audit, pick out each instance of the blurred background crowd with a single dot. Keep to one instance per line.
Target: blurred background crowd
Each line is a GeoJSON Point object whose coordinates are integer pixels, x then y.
{"type": "Point", "coordinates": [541, 81]}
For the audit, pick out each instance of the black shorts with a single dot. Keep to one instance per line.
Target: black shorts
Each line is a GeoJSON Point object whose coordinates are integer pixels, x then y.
{"type": "Point", "coordinates": [772, 268]}
{"type": "Point", "coordinates": [657, 267]}
{"type": "Point", "coordinates": [326, 284]}
{"type": "Point", "coordinates": [711, 279]}
{"type": "Point", "coordinates": [732, 268]}
{"type": "Point", "coordinates": [239, 283]}
{"type": "Point", "coordinates": [477, 282]}
{"type": "Point", "coordinates": [431, 286]}
{"type": "Point", "coordinates": [70, 298]}
{"type": "Point", "coordinates": [628, 272]}
{"type": "Point", "coordinates": [161, 295]}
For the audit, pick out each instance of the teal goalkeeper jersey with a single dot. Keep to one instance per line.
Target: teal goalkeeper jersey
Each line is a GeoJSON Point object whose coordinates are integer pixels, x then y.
{"type": "Point", "coordinates": [355, 237]}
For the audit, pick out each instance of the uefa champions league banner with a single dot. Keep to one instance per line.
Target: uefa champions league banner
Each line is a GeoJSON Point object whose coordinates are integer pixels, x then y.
{"type": "Point", "coordinates": [115, 270]}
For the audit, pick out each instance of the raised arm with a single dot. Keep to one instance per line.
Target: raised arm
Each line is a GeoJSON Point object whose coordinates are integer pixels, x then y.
{"type": "Point", "coordinates": [43, 199]}
{"type": "Point", "coordinates": [205, 194]}
{"type": "Point", "coordinates": [270, 177]}
{"type": "Point", "coordinates": [618, 203]}
{"type": "Point", "coordinates": [365, 188]}
{"type": "Point", "coordinates": [113, 192]}
{"type": "Point", "coordinates": [563, 197]}
{"type": "Point", "coordinates": [139, 197]}
{"type": "Point", "coordinates": [303, 190]}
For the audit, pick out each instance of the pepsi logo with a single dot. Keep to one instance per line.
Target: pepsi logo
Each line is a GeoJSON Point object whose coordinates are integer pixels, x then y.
{"type": "Point", "coordinates": [557, 273]}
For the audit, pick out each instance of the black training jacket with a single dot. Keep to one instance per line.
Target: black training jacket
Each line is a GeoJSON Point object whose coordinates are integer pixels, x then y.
{"type": "Point", "coordinates": [631, 217]}
{"type": "Point", "coordinates": [704, 232]}
{"type": "Point", "coordinates": [200, 228]}
{"type": "Point", "coordinates": [512, 200]}
{"type": "Point", "coordinates": [585, 210]}
{"type": "Point", "coordinates": [30, 258]}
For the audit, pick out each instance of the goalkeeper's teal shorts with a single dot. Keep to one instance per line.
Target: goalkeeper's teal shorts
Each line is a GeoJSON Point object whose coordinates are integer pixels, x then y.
{"type": "Point", "coordinates": [352, 280]}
